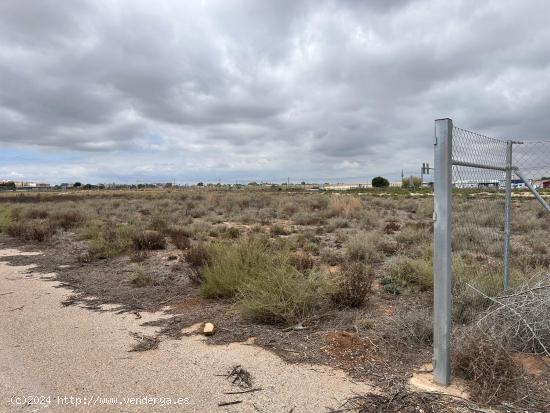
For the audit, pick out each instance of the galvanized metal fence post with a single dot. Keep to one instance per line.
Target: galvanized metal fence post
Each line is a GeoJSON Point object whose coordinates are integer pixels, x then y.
{"type": "Point", "coordinates": [442, 251]}
{"type": "Point", "coordinates": [507, 207]}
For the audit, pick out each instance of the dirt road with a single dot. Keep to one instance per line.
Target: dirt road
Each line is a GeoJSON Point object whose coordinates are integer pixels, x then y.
{"type": "Point", "coordinates": [50, 353]}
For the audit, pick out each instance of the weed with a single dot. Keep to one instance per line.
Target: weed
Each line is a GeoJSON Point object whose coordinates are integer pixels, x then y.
{"type": "Point", "coordinates": [149, 240]}
{"type": "Point", "coordinates": [140, 279]}
{"type": "Point", "coordinates": [32, 231]}
{"type": "Point", "coordinates": [355, 284]}
{"type": "Point", "coordinates": [277, 229]}
{"type": "Point", "coordinates": [180, 238]}
{"type": "Point", "coordinates": [198, 255]}
{"type": "Point", "coordinates": [363, 247]}
{"type": "Point", "coordinates": [409, 271]}
{"type": "Point", "coordinates": [67, 219]}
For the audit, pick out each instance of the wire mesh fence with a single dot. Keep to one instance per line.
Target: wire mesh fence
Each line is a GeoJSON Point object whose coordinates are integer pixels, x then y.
{"type": "Point", "coordinates": [479, 209]}
{"type": "Point", "coordinates": [492, 233]}
{"type": "Point", "coordinates": [478, 212]}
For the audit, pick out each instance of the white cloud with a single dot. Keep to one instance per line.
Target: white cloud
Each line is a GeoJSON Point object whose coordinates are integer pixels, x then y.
{"type": "Point", "coordinates": [312, 89]}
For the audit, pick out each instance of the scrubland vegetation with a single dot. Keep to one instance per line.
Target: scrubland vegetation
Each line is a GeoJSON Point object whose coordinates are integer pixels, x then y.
{"type": "Point", "coordinates": [298, 259]}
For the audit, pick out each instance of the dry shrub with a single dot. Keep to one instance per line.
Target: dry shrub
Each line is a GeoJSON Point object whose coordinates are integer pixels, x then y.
{"type": "Point", "coordinates": [364, 247]}
{"type": "Point", "coordinates": [345, 206]}
{"type": "Point", "coordinates": [180, 238]}
{"type": "Point", "coordinates": [301, 261]}
{"type": "Point", "coordinates": [30, 231]}
{"type": "Point", "coordinates": [331, 256]}
{"type": "Point", "coordinates": [198, 255]}
{"type": "Point", "coordinates": [492, 373]}
{"type": "Point", "coordinates": [139, 256]}
{"type": "Point", "coordinates": [159, 224]}
{"type": "Point", "coordinates": [232, 233]}
{"type": "Point", "coordinates": [67, 219]}
{"type": "Point", "coordinates": [388, 246]}
{"type": "Point", "coordinates": [519, 318]}
{"type": "Point", "coordinates": [306, 218]}
{"type": "Point", "coordinates": [410, 328]}
{"type": "Point", "coordinates": [37, 213]}
{"type": "Point", "coordinates": [149, 240]}
{"type": "Point", "coordinates": [355, 285]}
{"type": "Point", "coordinates": [391, 227]}
{"type": "Point", "coordinates": [140, 279]}
{"type": "Point", "coordinates": [277, 229]}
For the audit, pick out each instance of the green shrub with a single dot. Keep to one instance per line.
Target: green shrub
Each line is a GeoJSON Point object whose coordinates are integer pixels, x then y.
{"type": "Point", "coordinates": [409, 271]}
{"type": "Point", "coordinates": [108, 241]}
{"type": "Point", "coordinates": [281, 294]}
{"type": "Point", "coordinates": [234, 264]}
{"type": "Point", "coordinates": [391, 288]}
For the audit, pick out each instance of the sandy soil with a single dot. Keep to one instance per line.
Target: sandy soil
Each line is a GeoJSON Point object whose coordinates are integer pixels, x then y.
{"type": "Point", "coordinates": [53, 352]}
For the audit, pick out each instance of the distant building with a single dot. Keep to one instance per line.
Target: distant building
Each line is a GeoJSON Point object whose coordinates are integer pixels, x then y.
{"type": "Point", "coordinates": [542, 183]}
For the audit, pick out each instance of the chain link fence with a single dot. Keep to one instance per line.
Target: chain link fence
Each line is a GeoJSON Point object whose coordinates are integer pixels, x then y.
{"type": "Point", "coordinates": [492, 224]}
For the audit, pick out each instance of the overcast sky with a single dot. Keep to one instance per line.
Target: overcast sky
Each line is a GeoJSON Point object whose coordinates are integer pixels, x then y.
{"type": "Point", "coordinates": [127, 91]}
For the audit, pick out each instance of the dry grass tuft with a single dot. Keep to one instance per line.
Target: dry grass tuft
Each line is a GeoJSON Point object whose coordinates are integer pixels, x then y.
{"type": "Point", "coordinates": [149, 240]}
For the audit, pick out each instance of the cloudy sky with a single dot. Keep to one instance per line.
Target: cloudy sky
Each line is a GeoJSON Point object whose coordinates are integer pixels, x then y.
{"type": "Point", "coordinates": [128, 91]}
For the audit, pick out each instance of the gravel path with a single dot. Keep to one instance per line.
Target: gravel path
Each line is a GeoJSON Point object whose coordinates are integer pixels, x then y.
{"type": "Point", "coordinates": [51, 353]}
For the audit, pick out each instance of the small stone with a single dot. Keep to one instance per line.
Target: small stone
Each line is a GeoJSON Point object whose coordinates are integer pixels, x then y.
{"type": "Point", "coordinates": [208, 329]}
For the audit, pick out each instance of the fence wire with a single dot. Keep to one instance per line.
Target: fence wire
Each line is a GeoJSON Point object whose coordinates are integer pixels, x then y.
{"type": "Point", "coordinates": [530, 232]}
{"type": "Point", "coordinates": [479, 211]}
{"type": "Point", "coordinates": [478, 215]}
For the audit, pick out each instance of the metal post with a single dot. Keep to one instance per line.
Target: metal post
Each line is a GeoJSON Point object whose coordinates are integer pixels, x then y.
{"type": "Point", "coordinates": [442, 251]}
{"type": "Point", "coordinates": [532, 189]}
{"type": "Point", "coordinates": [507, 206]}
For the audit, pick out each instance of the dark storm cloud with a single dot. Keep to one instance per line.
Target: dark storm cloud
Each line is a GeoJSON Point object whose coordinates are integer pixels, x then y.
{"type": "Point", "coordinates": [316, 88]}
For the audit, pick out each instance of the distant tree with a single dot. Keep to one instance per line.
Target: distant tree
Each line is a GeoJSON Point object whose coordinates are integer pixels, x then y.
{"type": "Point", "coordinates": [168, 185]}
{"type": "Point", "coordinates": [101, 186]}
{"type": "Point", "coordinates": [10, 186]}
{"type": "Point", "coordinates": [303, 182]}
{"type": "Point", "coordinates": [87, 186]}
{"type": "Point", "coordinates": [253, 183]}
{"type": "Point", "coordinates": [200, 184]}
{"type": "Point", "coordinates": [77, 185]}
{"type": "Point", "coordinates": [380, 182]}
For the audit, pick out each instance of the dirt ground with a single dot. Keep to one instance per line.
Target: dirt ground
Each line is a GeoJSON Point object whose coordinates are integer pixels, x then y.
{"type": "Point", "coordinates": [165, 317]}
{"type": "Point", "coordinates": [47, 349]}
{"type": "Point", "coordinates": [333, 339]}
